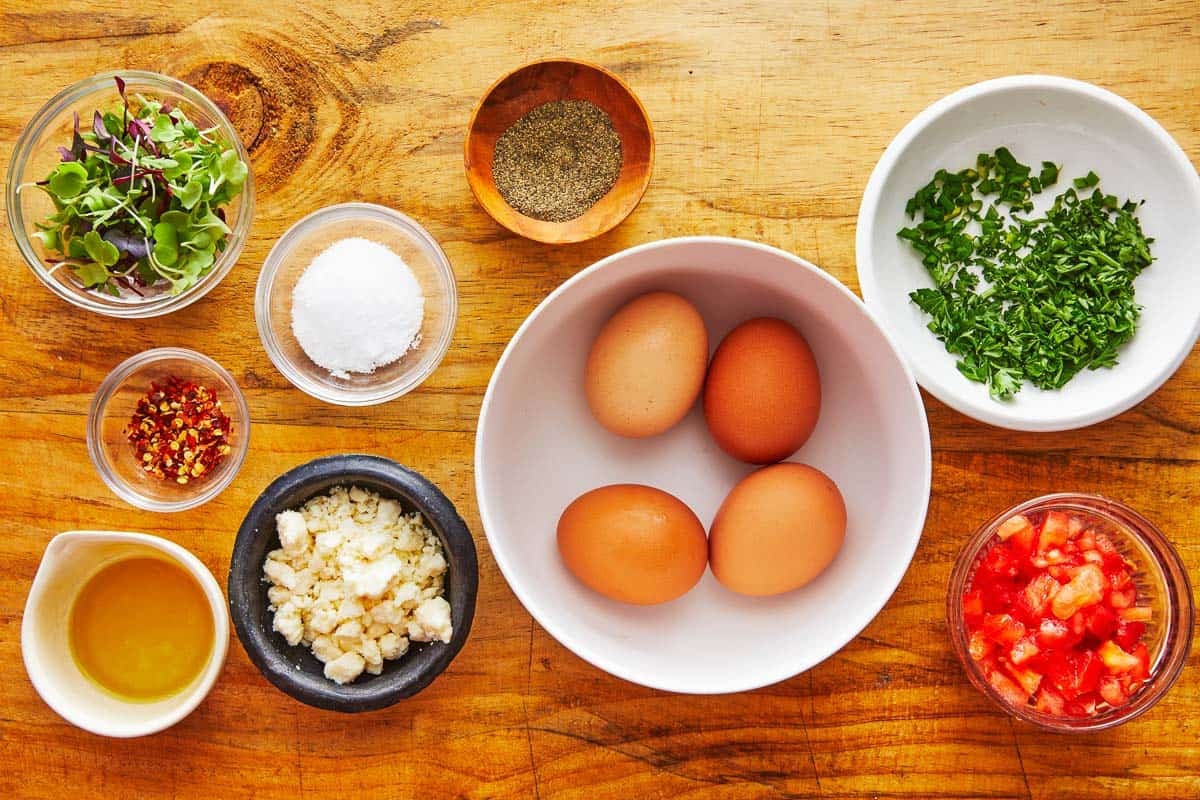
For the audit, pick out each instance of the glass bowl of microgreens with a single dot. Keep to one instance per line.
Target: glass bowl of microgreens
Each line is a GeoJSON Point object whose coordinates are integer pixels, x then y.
{"type": "Point", "coordinates": [130, 194]}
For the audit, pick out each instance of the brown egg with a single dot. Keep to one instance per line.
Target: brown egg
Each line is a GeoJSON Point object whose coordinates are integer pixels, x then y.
{"type": "Point", "coordinates": [777, 530]}
{"type": "Point", "coordinates": [633, 543]}
{"type": "Point", "coordinates": [763, 394]}
{"type": "Point", "coordinates": [646, 368]}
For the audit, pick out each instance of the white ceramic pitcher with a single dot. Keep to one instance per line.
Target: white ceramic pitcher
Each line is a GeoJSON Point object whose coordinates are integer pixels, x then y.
{"type": "Point", "coordinates": [69, 561]}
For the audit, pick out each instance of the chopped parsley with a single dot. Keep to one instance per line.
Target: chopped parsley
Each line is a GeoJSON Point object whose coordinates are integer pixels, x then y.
{"type": "Point", "coordinates": [1019, 298]}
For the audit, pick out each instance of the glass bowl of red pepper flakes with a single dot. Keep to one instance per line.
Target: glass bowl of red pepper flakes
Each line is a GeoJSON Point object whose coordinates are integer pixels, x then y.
{"type": "Point", "coordinates": [168, 429]}
{"type": "Point", "coordinates": [1071, 611]}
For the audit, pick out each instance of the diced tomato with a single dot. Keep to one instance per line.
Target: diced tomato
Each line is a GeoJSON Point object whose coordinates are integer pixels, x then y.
{"type": "Point", "coordinates": [1136, 614]}
{"type": "Point", "coordinates": [1074, 673]}
{"type": "Point", "coordinates": [1050, 702]}
{"type": "Point", "coordinates": [979, 646]}
{"type": "Point", "coordinates": [1142, 671]}
{"type": "Point", "coordinates": [1113, 691]}
{"type": "Point", "coordinates": [1052, 614]}
{"type": "Point", "coordinates": [1084, 705]}
{"type": "Point", "coordinates": [1086, 541]}
{"type": "Point", "coordinates": [1002, 628]}
{"type": "Point", "coordinates": [999, 562]}
{"type": "Point", "coordinates": [1116, 659]}
{"type": "Point", "coordinates": [1105, 544]}
{"type": "Point", "coordinates": [1028, 679]}
{"type": "Point", "coordinates": [1038, 594]}
{"type": "Point", "coordinates": [1009, 689]}
{"type": "Point", "coordinates": [1024, 545]}
{"type": "Point", "coordinates": [1101, 622]}
{"type": "Point", "coordinates": [1119, 579]}
{"type": "Point", "coordinates": [1054, 633]}
{"type": "Point", "coordinates": [1060, 572]}
{"type": "Point", "coordinates": [1113, 560]}
{"type": "Point", "coordinates": [1122, 599]}
{"type": "Point", "coordinates": [1086, 588]}
{"type": "Point", "coordinates": [1017, 523]}
{"type": "Point", "coordinates": [1056, 531]}
{"type": "Point", "coordinates": [1128, 634]}
{"type": "Point", "coordinates": [1023, 650]}
{"type": "Point", "coordinates": [1074, 527]}
{"type": "Point", "coordinates": [973, 606]}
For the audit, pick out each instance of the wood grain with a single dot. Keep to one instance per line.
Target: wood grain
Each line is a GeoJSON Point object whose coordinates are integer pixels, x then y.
{"type": "Point", "coordinates": [768, 118]}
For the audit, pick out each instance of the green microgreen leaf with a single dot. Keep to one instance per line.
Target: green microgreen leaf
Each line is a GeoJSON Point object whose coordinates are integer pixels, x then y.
{"type": "Point", "coordinates": [191, 194]}
{"type": "Point", "coordinates": [68, 180]}
{"type": "Point", "coordinates": [103, 253]}
{"type": "Point", "coordinates": [164, 129]}
{"type": "Point", "coordinates": [166, 244]}
{"type": "Point", "coordinates": [233, 169]}
{"type": "Point", "coordinates": [92, 274]}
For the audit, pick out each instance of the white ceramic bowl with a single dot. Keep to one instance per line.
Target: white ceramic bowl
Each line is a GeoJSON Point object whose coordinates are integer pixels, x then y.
{"type": "Point", "coordinates": [1081, 127]}
{"type": "Point", "coordinates": [538, 447]}
{"type": "Point", "coordinates": [69, 561]}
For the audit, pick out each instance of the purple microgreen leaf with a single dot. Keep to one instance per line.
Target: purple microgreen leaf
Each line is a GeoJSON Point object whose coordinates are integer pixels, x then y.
{"type": "Point", "coordinates": [78, 147]}
{"type": "Point", "coordinates": [102, 134]}
{"type": "Point", "coordinates": [139, 129]}
{"type": "Point", "coordinates": [120, 85]}
{"type": "Point", "coordinates": [129, 243]}
{"type": "Point", "coordinates": [67, 155]}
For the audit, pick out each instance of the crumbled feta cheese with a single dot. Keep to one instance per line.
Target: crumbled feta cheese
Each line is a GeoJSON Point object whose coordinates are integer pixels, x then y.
{"type": "Point", "coordinates": [372, 578]}
{"type": "Point", "coordinates": [392, 646]}
{"type": "Point", "coordinates": [287, 621]}
{"type": "Point", "coordinates": [345, 668]}
{"type": "Point", "coordinates": [356, 579]}
{"type": "Point", "coordinates": [431, 622]}
{"type": "Point", "coordinates": [293, 532]}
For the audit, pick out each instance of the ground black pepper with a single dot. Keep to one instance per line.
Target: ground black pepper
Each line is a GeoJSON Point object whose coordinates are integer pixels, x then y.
{"type": "Point", "coordinates": [558, 160]}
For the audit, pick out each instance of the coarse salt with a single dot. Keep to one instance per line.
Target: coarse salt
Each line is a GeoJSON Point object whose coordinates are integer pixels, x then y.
{"type": "Point", "coordinates": [357, 307]}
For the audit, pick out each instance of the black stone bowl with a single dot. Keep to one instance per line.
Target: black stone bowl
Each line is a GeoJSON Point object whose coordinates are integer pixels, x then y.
{"type": "Point", "coordinates": [294, 669]}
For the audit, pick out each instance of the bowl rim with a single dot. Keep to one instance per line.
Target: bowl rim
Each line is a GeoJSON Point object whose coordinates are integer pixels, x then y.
{"type": "Point", "coordinates": [1164, 556]}
{"type": "Point", "coordinates": [95, 420]}
{"type": "Point", "coordinates": [275, 259]}
{"type": "Point", "coordinates": [600, 659]}
{"type": "Point", "coordinates": [47, 114]}
{"type": "Point", "coordinates": [560, 238]}
{"type": "Point", "coordinates": [202, 685]}
{"type": "Point", "coordinates": [872, 200]}
{"type": "Point", "coordinates": [434, 505]}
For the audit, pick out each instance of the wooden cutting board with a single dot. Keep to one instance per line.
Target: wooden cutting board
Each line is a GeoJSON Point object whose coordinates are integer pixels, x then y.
{"type": "Point", "coordinates": [769, 118]}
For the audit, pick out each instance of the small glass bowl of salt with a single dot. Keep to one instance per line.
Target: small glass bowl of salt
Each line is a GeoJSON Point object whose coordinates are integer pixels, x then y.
{"type": "Point", "coordinates": [356, 304]}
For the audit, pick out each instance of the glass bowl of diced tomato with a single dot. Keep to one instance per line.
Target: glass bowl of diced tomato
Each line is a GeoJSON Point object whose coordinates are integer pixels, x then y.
{"type": "Point", "coordinates": [1073, 612]}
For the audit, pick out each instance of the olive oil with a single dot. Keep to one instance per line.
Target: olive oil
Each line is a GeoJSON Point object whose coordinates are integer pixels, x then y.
{"type": "Point", "coordinates": [141, 628]}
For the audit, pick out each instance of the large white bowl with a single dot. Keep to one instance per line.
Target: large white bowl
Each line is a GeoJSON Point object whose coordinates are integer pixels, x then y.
{"type": "Point", "coordinates": [1081, 127]}
{"type": "Point", "coordinates": [538, 448]}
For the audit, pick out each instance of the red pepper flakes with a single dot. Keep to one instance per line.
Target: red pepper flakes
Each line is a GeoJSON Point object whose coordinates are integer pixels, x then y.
{"type": "Point", "coordinates": [179, 431]}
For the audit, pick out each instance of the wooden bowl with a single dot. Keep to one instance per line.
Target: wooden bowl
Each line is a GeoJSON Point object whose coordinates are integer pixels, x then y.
{"type": "Point", "coordinates": [516, 94]}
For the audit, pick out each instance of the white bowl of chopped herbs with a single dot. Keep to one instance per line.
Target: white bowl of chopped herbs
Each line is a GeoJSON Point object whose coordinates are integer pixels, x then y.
{"type": "Point", "coordinates": [1031, 242]}
{"type": "Point", "coordinates": [130, 194]}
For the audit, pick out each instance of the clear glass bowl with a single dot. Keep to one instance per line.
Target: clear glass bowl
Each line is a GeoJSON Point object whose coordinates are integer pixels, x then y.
{"type": "Point", "coordinates": [114, 404]}
{"type": "Point", "coordinates": [1162, 583]}
{"type": "Point", "coordinates": [36, 154]}
{"type": "Point", "coordinates": [291, 256]}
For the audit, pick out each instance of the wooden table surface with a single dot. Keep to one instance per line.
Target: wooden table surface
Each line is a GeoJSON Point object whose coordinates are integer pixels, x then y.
{"type": "Point", "coordinates": [769, 118]}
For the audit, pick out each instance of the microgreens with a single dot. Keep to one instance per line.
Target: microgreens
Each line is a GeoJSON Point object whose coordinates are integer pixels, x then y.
{"type": "Point", "coordinates": [1017, 298]}
{"type": "Point", "coordinates": [139, 199]}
